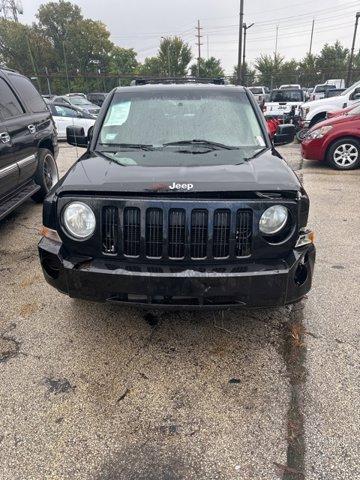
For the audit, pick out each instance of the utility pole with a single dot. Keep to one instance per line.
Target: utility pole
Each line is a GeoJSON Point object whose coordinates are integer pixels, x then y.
{"type": "Point", "coordinates": [241, 22]}
{"type": "Point", "coordinates": [66, 67]}
{"type": "Point", "coordinates": [348, 79]}
{"type": "Point", "coordinates": [246, 28]}
{"type": "Point", "coordinates": [199, 36]}
{"type": "Point", "coordinates": [276, 40]}
{"type": "Point", "coordinates": [312, 36]}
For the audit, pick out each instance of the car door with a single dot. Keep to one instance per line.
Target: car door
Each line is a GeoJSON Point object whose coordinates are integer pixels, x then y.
{"type": "Point", "coordinates": [65, 116]}
{"type": "Point", "coordinates": [12, 113]}
{"type": "Point", "coordinates": [34, 121]}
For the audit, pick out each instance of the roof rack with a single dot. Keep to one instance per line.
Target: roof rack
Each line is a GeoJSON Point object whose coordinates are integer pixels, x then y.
{"type": "Point", "coordinates": [177, 80]}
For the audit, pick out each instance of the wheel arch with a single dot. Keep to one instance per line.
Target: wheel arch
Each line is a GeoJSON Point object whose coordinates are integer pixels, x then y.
{"type": "Point", "coordinates": [317, 118]}
{"type": "Point", "coordinates": [47, 143]}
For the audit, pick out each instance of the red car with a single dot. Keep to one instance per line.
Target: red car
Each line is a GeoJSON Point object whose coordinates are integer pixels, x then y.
{"type": "Point", "coordinates": [352, 110]}
{"type": "Point", "coordinates": [335, 140]}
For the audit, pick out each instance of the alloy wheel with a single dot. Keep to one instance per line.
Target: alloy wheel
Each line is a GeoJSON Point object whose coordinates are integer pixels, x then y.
{"type": "Point", "coordinates": [345, 155]}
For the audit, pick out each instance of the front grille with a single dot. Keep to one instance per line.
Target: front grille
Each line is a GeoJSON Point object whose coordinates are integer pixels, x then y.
{"type": "Point", "coordinates": [177, 233]}
{"type": "Point", "coordinates": [132, 232]}
{"type": "Point", "coordinates": [221, 241]}
{"type": "Point", "coordinates": [110, 230]}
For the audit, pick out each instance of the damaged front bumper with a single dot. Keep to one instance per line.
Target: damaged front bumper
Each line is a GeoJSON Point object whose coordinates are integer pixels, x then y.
{"type": "Point", "coordinates": [267, 283]}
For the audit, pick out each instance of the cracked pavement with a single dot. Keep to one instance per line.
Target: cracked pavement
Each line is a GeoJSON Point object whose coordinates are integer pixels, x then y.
{"type": "Point", "coordinates": [101, 392]}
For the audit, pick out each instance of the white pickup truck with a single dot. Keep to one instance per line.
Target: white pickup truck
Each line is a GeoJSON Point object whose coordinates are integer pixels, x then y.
{"type": "Point", "coordinates": [284, 101]}
{"type": "Point", "coordinates": [316, 111]}
{"type": "Point", "coordinates": [261, 94]}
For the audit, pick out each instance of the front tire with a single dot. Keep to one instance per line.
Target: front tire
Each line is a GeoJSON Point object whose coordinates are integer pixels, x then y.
{"type": "Point", "coordinates": [344, 154]}
{"type": "Point", "coordinates": [47, 174]}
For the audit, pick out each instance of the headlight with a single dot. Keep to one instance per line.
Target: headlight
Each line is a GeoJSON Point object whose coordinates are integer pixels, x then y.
{"type": "Point", "coordinates": [79, 220]}
{"type": "Point", "coordinates": [319, 132]}
{"type": "Point", "coordinates": [273, 220]}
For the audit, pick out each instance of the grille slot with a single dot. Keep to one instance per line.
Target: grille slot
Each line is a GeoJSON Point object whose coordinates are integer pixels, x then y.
{"type": "Point", "coordinates": [176, 233]}
{"type": "Point", "coordinates": [243, 233]}
{"type": "Point", "coordinates": [132, 231]}
{"type": "Point", "coordinates": [110, 230]}
{"type": "Point", "coordinates": [154, 232]}
{"type": "Point", "coordinates": [199, 233]}
{"type": "Point", "coordinates": [221, 234]}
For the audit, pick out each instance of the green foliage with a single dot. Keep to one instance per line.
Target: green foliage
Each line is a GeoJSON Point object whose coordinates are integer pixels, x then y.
{"type": "Point", "coordinates": [174, 56]}
{"type": "Point", "coordinates": [249, 75]}
{"type": "Point", "coordinates": [332, 61]}
{"type": "Point", "coordinates": [209, 68]}
{"type": "Point", "coordinates": [151, 67]}
{"type": "Point", "coordinates": [268, 68]}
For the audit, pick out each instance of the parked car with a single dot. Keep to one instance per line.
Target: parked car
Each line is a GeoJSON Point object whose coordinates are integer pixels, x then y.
{"type": "Point", "coordinates": [335, 140]}
{"type": "Point", "coordinates": [316, 111]}
{"type": "Point", "coordinates": [28, 143]}
{"type": "Point", "coordinates": [175, 206]}
{"type": "Point", "coordinates": [77, 101]}
{"type": "Point", "coordinates": [97, 98]}
{"type": "Point", "coordinates": [320, 90]}
{"type": "Point", "coordinates": [66, 116]}
{"type": "Point", "coordinates": [290, 86]}
{"type": "Point", "coordinates": [284, 102]}
{"type": "Point", "coordinates": [261, 94]}
{"type": "Point", "coordinates": [334, 92]}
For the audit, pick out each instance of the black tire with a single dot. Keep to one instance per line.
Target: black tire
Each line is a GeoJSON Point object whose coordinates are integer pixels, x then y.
{"type": "Point", "coordinates": [46, 175]}
{"type": "Point", "coordinates": [301, 134]}
{"type": "Point", "coordinates": [344, 154]}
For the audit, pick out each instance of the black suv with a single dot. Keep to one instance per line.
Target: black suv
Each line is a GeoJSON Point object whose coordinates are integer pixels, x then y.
{"type": "Point", "coordinates": [180, 200]}
{"type": "Point", "coordinates": [28, 143]}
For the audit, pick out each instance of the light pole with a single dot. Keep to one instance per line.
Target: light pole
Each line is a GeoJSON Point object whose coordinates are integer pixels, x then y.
{"type": "Point", "coordinates": [348, 78]}
{"type": "Point", "coordinates": [246, 28]}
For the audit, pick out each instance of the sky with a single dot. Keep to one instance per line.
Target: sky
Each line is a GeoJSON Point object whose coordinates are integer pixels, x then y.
{"type": "Point", "coordinates": [140, 24]}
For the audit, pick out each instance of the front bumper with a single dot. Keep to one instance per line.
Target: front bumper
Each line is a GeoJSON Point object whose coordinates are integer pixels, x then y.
{"type": "Point", "coordinates": [269, 283]}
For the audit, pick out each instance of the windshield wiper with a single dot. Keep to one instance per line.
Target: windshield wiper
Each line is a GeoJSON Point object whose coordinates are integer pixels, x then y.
{"type": "Point", "coordinates": [201, 143]}
{"type": "Point", "coordinates": [136, 146]}
{"type": "Point", "coordinates": [257, 153]}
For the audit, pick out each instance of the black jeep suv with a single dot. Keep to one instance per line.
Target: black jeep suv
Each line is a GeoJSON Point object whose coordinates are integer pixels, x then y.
{"type": "Point", "coordinates": [28, 143]}
{"type": "Point", "coordinates": [180, 200]}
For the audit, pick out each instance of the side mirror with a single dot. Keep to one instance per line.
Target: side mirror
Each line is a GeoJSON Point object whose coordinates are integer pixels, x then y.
{"type": "Point", "coordinates": [285, 134]}
{"type": "Point", "coordinates": [76, 136]}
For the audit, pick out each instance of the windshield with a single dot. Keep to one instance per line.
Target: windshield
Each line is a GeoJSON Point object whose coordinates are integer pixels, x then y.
{"type": "Point", "coordinates": [324, 88]}
{"type": "Point", "coordinates": [354, 111]}
{"type": "Point", "coordinates": [182, 121]}
{"type": "Point", "coordinates": [286, 96]}
{"type": "Point", "coordinates": [256, 90]}
{"type": "Point", "coordinates": [79, 101]}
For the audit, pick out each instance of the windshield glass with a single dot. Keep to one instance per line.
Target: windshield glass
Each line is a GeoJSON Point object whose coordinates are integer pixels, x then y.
{"type": "Point", "coordinates": [193, 121]}
{"type": "Point", "coordinates": [79, 101]}
{"type": "Point", "coordinates": [324, 88]}
{"type": "Point", "coordinates": [256, 90]}
{"type": "Point", "coordinates": [354, 111]}
{"type": "Point", "coordinates": [286, 96]}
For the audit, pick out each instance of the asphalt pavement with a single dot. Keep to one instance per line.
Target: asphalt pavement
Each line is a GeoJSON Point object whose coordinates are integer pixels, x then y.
{"type": "Point", "coordinates": [99, 392]}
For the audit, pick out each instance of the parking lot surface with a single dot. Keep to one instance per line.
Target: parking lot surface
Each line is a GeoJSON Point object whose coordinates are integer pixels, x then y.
{"type": "Point", "coordinates": [93, 391]}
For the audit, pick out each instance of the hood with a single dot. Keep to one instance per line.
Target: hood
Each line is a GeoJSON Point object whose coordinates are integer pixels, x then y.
{"type": "Point", "coordinates": [95, 173]}
{"type": "Point", "coordinates": [335, 121]}
{"type": "Point", "coordinates": [339, 100]}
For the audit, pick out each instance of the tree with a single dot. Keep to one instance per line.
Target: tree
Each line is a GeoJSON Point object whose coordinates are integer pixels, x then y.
{"type": "Point", "coordinates": [209, 68]}
{"type": "Point", "coordinates": [308, 71]}
{"type": "Point", "coordinates": [174, 56]}
{"type": "Point", "coordinates": [151, 67]}
{"type": "Point", "coordinates": [268, 67]}
{"type": "Point", "coordinates": [332, 61]}
{"type": "Point", "coordinates": [289, 72]}
{"type": "Point", "coordinates": [249, 75]}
